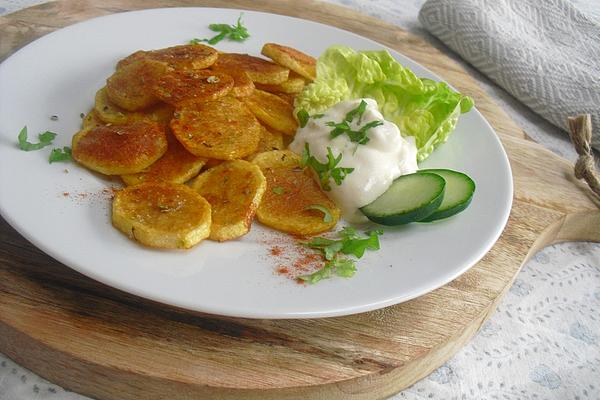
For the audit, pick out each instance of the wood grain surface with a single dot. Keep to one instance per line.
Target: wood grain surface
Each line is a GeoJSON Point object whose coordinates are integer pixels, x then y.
{"type": "Point", "coordinates": [107, 344]}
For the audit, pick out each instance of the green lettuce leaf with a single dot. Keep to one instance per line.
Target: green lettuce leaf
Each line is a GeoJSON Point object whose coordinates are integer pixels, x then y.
{"type": "Point", "coordinates": [421, 107]}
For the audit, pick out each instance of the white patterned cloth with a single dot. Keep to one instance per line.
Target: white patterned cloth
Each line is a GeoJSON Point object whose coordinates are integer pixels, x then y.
{"type": "Point", "coordinates": [545, 53]}
{"type": "Point", "coordinates": [543, 343]}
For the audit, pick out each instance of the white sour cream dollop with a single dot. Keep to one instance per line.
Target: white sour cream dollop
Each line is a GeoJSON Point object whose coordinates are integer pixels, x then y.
{"type": "Point", "coordinates": [385, 157]}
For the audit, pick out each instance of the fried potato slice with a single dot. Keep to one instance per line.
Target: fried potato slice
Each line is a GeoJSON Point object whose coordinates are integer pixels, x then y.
{"type": "Point", "coordinates": [291, 58]}
{"type": "Point", "coordinates": [273, 111]}
{"type": "Point", "coordinates": [91, 120]}
{"type": "Point", "coordinates": [288, 98]}
{"type": "Point", "coordinates": [131, 87]}
{"type": "Point", "coordinates": [180, 88]}
{"type": "Point", "coordinates": [258, 69]}
{"type": "Point", "coordinates": [120, 149]}
{"type": "Point", "coordinates": [290, 192]}
{"type": "Point", "coordinates": [242, 84]}
{"type": "Point", "coordinates": [187, 56]}
{"type": "Point", "coordinates": [234, 190]}
{"type": "Point", "coordinates": [269, 140]}
{"type": "Point", "coordinates": [163, 215]}
{"type": "Point", "coordinates": [177, 165]}
{"type": "Point", "coordinates": [110, 113]}
{"type": "Point", "coordinates": [224, 129]}
{"type": "Point", "coordinates": [212, 162]}
{"type": "Point", "coordinates": [294, 84]}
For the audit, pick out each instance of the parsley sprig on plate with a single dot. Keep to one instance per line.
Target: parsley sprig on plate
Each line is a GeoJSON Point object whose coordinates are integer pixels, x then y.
{"type": "Point", "coordinates": [44, 139]}
{"type": "Point", "coordinates": [58, 155]}
{"type": "Point", "coordinates": [351, 243]}
{"type": "Point", "coordinates": [237, 33]}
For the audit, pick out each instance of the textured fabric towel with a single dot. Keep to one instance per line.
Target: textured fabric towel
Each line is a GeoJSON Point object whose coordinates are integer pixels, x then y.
{"type": "Point", "coordinates": [546, 53]}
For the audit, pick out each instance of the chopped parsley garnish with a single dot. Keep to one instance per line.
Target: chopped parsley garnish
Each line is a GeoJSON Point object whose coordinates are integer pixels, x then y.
{"type": "Point", "coordinates": [358, 111]}
{"type": "Point", "coordinates": [356, 245]}
{"type": "Point", "coordinates": [237, 33]}
{"type": "Point", "coordinates": [349, 244]}
{"type": "Point", "coordinates": [343, 267]}
{"type": "Point", "coordinates": [59, 154]}
{"type": "Point", "coordinates": [325, 171]}
{"type": "Point", "coordinates": [359, 136]}
{"type": "Point", "coordinates": [277, 190]}
{"type": "Point", "coordinates": [302, 117]}
{"type": "Point", "coordinates": [45, 139]}
{"type": "Point", "coordinates": [327, 217]}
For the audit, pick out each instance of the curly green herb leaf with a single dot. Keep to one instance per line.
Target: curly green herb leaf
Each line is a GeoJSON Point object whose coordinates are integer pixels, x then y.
{"type": "Point", "coordinates": [302, 118]}
{"type": "Point", "coordinates": [326, 212]}
{"type": "Point", "coordinates": [58, 155]}
{"type": "Point", "coordinates": [357, 246]}
{"type": "Point", "coordinates": [325, 171]}
{"type": "Point", "coordinates": [328, 247]}
{"type": "Point", "coordinates": [236, 33]}
{"type": "Point", "coordinates": [45, 139]}
{"type": "Point", "coordinates": [319, 275]}
{"type": "Point", "coordinates": [357, 136]}
{"type": "Point", "coordinates": [343, 267]}
{"type": "Point", "coordinates": [358, 111]}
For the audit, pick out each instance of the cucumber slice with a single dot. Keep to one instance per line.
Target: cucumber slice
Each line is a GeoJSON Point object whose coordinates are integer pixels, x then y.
{"type": "Point", "coordinates": [458, 194]}
{"type": "Point", "coordinates": [410, 198]}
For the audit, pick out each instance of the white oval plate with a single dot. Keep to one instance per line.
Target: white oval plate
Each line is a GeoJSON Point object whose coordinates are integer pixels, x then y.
{"type": "Point", "coordinates": [60, 207]}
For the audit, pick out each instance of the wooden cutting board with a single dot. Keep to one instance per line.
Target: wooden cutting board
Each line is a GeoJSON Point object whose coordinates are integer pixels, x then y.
{"type": "Point", "coordinates": [103, 343]}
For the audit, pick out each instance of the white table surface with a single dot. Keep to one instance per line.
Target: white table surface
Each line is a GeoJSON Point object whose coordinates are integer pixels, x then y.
{"type": "Point", "coordinates": [543, 342]}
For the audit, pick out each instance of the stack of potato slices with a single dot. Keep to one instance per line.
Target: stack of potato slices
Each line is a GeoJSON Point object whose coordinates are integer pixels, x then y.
{"type": "Point", "coordinates": [198, 137]}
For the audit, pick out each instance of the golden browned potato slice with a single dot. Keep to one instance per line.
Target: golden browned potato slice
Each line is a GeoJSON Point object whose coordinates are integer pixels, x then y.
{"type": "Point", "coordinates": [291, 191]}
{"type": "Point", "coordinates": [269, 140]}
{"type": "Point", "coordinates": [120, 149]}
{"type": "Point", "coordinates": [293, 59]}
{"type": "Point", "coordinates": [242, 84]}
{"type": "Point", "coordinates": [212, 162]}
{"type": "Point", "coordinates": [177, 165]}
{"type": "Point", "coordinates": [273, 111]}
{"type": "Point", "coordinates": [110, 113]}
{"type": "Point", "coordinates": [223, 129]}
{"type": "Point", "coordinates": [258, 69]}
{"type": "Point", "coordinates": [161, 214]}
{"type": "Point", "coordinates": [293, 85]}
{"type": "Point", "coordinates": [91, 120]}
{"type": "Point", "coordinates": [234, 190]}
{"type": "Point", "coordinates": [288, 98]}
{"type": "Point", "coordinates": [187, 56]}
{"type": "Point", "coordinates": [180, 88]}
{"type": "Point", "coordinates": [131, 87]}
{"type": "Point", "coordinates": [135, 56]}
